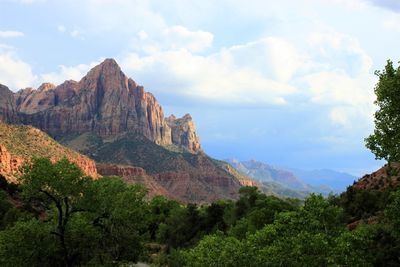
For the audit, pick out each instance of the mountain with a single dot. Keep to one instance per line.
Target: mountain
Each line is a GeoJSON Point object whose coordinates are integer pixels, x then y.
{"type": "Point", "coordinates": [104, 102]}
{"type": "Point", "coordinates": [294, 182]}
{"type": "Point", "coordinates": [8, 111]}
{"type": "Point", "coordinates": [266, 173]}
{"type": "Point", "coordinates": [110, 118]}
{"type": "Point", "coordinates": [19, 143]}
{"type": "Point", "coordinates": [330, 179]}
{"type": "Point", "coordinates": [191, 177]}
{"type": "Point", "coordinates": [270, 180]}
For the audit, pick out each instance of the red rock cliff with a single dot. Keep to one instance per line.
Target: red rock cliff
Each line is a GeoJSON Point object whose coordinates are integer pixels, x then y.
{"type": "Point", "coordinates": [105, 102]}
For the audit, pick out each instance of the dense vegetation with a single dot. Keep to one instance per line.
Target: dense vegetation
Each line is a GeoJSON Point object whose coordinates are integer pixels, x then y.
{"type": "Point", "coordinates": [58, 217]}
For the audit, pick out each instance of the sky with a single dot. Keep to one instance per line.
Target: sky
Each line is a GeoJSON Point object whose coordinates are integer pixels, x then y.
{"type": "Point", "coordinates": [289, 83]}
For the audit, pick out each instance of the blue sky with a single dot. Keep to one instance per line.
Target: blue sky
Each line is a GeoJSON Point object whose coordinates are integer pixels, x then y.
{"type": "Point", "coordinates": [285, 82]}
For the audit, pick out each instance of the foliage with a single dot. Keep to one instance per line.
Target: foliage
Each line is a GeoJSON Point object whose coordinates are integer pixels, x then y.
{"type": "Point", "coordinates": [385, 141]}
{"type": "Point", "coordinates": [67, 219]}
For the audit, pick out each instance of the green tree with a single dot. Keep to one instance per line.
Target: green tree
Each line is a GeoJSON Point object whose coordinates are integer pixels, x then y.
{"type": "Point", "coordinates": [120, 216]}
{"type": "Point", "coordinates": [61, 185]}
{"type": "Point", "coordinates": [385, 141]}
{"type": "Point", "coordinates": [216, 251]}
{"type": "Point", "coordinates": [28, 243]}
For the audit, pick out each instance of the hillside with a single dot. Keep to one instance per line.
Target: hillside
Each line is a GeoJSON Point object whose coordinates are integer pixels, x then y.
{"type": "Point", "coordinates": [187, 176]}
{"type": "Point", "coordinates": [381, 179]}
{"type": "Point", "coordinates": [19, 143]}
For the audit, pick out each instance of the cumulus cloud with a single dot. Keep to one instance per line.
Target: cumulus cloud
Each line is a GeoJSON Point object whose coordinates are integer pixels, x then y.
{"type": "Point", "coordinates": [181, 37]}
{"type": "Point", "coordinates": [14, 72]}
{"type": "Point", "coordinates": [10, 34]}
{"type": "Point", "coordinates": [68, 73]}
{"type": "Point", "coordinates": [338, 51]}
{"type": "Point", "coordinates": [172, 39]}
{"type": "Point", "coordinates": [223, 77]}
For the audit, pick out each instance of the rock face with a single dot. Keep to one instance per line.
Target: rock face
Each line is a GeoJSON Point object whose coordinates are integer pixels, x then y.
{"type": "Point", "coordinates": [184, 132]}
{"type": "Point", "coordinates": [135, 175]}
{"type": "Point", "coordinates": [18, 144]}
{"type": "Point", "coordinates": [8, 112]}
{"type": "Point", "coordinates": [105, 102]}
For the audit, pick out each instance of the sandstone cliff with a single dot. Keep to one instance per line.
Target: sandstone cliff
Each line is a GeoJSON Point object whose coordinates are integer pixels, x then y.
{"type": "Point", "coordinates": [8, 111]}
{"type": "Point", "coordinates": [134, 175]}
{"type": "Point", "coordinates": [183, 132]}
{"type": "Point", "coordinates": [18, 144]}
{"type": "Point", "coordinates": [105, 102]}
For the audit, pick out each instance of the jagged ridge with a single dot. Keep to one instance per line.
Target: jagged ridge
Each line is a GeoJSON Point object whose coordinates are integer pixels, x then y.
{"type": "Point", "coordinates": [105, 102]}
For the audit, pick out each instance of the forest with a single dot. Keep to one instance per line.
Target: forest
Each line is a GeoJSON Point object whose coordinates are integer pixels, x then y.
{"type": "Point", "coordinates": [58, 217]}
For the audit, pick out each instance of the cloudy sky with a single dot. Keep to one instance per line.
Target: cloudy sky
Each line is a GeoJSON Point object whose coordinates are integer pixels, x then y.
{"type": "Point", "coordinates": [286, 82]}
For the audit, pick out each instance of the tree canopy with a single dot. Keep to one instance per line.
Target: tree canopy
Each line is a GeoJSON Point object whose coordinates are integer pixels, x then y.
{"type": "Point", "coordinates": [385, 141]}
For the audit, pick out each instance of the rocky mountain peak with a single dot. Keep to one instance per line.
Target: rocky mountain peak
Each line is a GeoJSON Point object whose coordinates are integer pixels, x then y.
{"type": "Point", "coordinates": [106, 76]}
{"type": "Point", "coordinates": [184, 132]}
{"type": "Point", "coordinates": [104, 102]}
{"type": "Point", "coordinates": [46, 87]}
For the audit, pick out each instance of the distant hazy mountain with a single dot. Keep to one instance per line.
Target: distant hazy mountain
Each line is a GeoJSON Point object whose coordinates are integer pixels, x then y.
{"type": "Point", "coordinates": [338, 181]}
{"type": "Point", "coordinates": [320, 181]}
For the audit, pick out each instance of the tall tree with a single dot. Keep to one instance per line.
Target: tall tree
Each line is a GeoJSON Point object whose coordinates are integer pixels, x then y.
{"type": "Point", "coordinates": [61, 185]}
{"type": "Point", "coordinates": [385, 141]}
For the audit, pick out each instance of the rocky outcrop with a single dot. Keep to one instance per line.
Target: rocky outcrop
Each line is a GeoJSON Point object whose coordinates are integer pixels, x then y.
{"type": "Point", "coordinates": [104, 102]}
{"type": "Point", "coordinates": [7, 106]}
{"type": "Point", "coordinates": [134, 175]}
{"type": "Point", "coordinates": [183, 132]}
{"type": "Point", "coordinates": [31, 101]}
{"type": "Point", "coordinates": [120, 170]}
{"type": "Point", "coordinates": [381, 179]}
{"type": "Point", "coordinates": [9, 165]}
{"type": "Point", "coordinates": [199, 188]}
{"type": "Point", "coordinates": [18, 144]}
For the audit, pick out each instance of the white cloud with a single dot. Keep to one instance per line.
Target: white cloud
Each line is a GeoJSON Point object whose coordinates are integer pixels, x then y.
{"type": "Point", "coordinates": [14, 72]}
{"type": "Point", "coordinates": [68, 73]}
{"type": "Point", "coordinates": [10, 34]}
{"type": "Point", "coordinates": [338, 51]}
{"type": "Point", "coordinates": [172, 39]}
{"type": "Point", "coordinates": [275, 58]}
{"type": "Point", "coordinates": [332, 71]}
{"type": "Point", "coordinates": [181, 37]}
{"type": "Point", "coordinates": [208, 78]}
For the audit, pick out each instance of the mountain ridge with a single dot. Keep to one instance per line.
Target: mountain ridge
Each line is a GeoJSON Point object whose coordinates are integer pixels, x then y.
{"type": "Point", "coordinates": [110, 118]}
{"type": "Point", "coordinates": [104, 101]}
